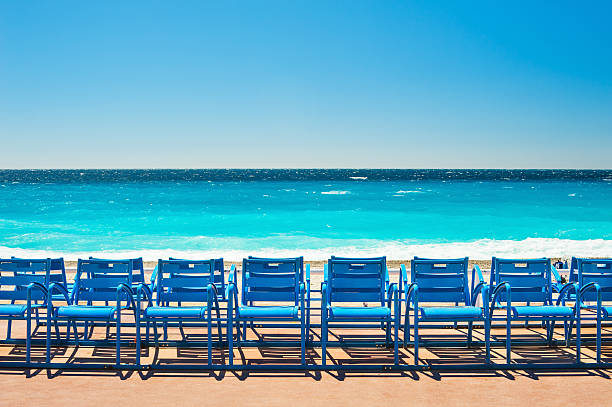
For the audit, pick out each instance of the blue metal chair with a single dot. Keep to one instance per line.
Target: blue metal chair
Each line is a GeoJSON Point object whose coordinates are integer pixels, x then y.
{"type": "Point", "coordinates": [358, 280]}
{"type": "Point", "coordinates": [178, 282]}
{"type": "Point", "coordinates": [97, 281]}
{"type": "Point", "coordinates": [22, 281]}
{"type": "Point", "coordinates": [594, 277]}
{"type": "Point", "coordinates": [57, 274]}
{"type": "Point", "coordinates": [438, 281]}
{"type": "Point", "coordinates": [270, 281]}
{"type": "Point", "coordinates": [528, 281]}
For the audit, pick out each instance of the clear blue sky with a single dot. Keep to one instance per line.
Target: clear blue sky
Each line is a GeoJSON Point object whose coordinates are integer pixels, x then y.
{"type": "Point", "coordinates": [199, 84]}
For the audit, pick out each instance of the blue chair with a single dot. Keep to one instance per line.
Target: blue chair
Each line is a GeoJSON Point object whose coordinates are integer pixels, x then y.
{"type": "Point", "coordinates": [358, 280]}
{"type": "Point", "coordinates": [57, 274]}
{"type": "Point", "coordinates": [436, 281]}
{"type": "Point", "coordinates": [267, 280]}
{"type": "Point", "coordinates": [594, 277]}
{"type": "Point", "coordinates": [528, 281]}
{"type": "Point", "coordinates": [96, 281]}
{"type": "Point", "coordinates": [22, 281]}
{"type": "Point", "coordinates": [178, 282]}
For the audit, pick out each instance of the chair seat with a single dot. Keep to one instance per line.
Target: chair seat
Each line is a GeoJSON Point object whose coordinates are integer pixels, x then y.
{"type": "Point", "coordinates": [86, 312]}
{"type": "Point", "coordinates": [451, 313]}
{"type": "Point", "coordinates": [542, 311]}
{"type": "Point", "coordinates": [175, 312]}
{"type": "Point", "coordinates": [268, 312]}
{"type": "Point", "coordinates": [376, 313]}
{"type": "Point", "coordinates": [13, 310]}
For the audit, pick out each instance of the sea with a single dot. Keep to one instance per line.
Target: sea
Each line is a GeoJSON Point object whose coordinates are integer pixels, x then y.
{"type": "Point", "coordinates": [315, 213]}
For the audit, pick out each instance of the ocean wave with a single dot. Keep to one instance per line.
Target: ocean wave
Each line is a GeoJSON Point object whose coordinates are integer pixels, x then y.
{"type": "Point", "coordinates": [409, 192]}
{"type": "Point", "coordinates": [335, 192]}
{"type": "Point", "coordinates": [322, 249]}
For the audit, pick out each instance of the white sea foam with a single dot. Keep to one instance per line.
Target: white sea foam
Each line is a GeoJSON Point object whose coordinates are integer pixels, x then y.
{"type": "Point", "coordinates": [335, 192]}
{"type": "Point", "coordinates": [358, 177]}
{"type": "Point", "coordinates": [479, 249]}
{"type": "Point", "coordinates": [409, 192]}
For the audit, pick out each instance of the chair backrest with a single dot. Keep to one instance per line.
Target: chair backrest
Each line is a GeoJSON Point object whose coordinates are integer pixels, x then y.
{"type": "Point", "coordinates": [356, 279]}
{"type": "Point", "coordinates": [595, 271]}
{"type": "Point", "coordinates": [57, 273]}
{"type": "Point", "coordinates": [271, 280]}
{"type": "Point", "coordinates": [97, 279]}
{"type": "Point", "coordinates": [441, 280]}
{"type": "Point", "coordinates": [137, 268]}
{"type": "Point", "coordinates": [218, 275]}
{"type": "Point", "coordinates": [184, 280]}
{"type": "Point", "coordinates": [17, 274]}
{"type": "Point", "coordinates": [529, 279]}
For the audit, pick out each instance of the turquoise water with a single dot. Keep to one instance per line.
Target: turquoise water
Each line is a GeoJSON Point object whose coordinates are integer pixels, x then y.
{"type": "Point", "coordinates": [346, 212]}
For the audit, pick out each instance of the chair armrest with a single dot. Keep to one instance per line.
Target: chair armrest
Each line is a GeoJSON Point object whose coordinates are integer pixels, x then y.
{"type": "Point", "coordinates": [565, 290]}
{"type": "Point", "coordinates": [153, 277]}
{"type": "Point", "coordinates": [124, 288]}
{"type": "Point", "coordinates": [146, 290]}
{"type": "Point", "coordinates": [412, 292]}
{"type": "Point", "coordinates": [592, 286]}
{"type": "Point", "coordinates": [403, 276]}
{"type": "Point", "coordinates": [476, 272]}
{"type": "Point", "coordinates": [35, 286]}
{"type": "Point", "coordinates": [232, 274]}
{"type": "Point", "coordinates": [391, 292]}
{"type": "Point", "coordinates": [62, 290]}
{"type": "Point", "coordinates": [481, 288]}
{"type": "Point", "coordinates": [557, 277]}
{"type": "Point", "coordinates": [386, 278]}
{"type": "Point", "coordinates": [232, 297]}
{"type": "Point", "coordinates": [501, 287]}
{"type": "Point", "coordinates": [211, 290]}
{"type": "Point", "coordinates": [323, 296]}
{"type": "Point", "coordinates": [308, 283]}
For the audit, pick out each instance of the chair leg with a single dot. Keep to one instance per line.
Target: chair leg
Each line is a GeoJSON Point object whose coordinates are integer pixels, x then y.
{"type": "Point", "coordinates": [209, 323]}
{"type": "Point", "coordinates": [230, 337]}
{"type": "Point", "coordinates": [469, 338]}
{"type": "Point", "coordinates": [118, 338]}
{"type": "Point", "coordinates": [28, 336]}
{"type": "Point", "coordinates": [396, 338]}
{"type": "Point", "coordinates": [598, 339]}
{"type": "Point", "coordinates": [487, 324]}
{"type": "Point", "coordinates": [324, 330]}
{"type": "Point", "coordinates": [387, 332]}
{"type": "Point", "coordinates": [8, 329]}
{"type": "Point", "coordinates": [508, 340]}
{"type": "Point", "coordinates": [416, 341]}
{"type": "Point", "coordinates": [406, 327]}
{"type": "Point", "coordinates": [578, 340]}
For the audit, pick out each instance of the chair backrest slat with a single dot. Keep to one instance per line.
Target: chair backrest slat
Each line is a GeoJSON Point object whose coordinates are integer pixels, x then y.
{"type": "Point", "coordinates": [441, 280]}
{"type": "Point", "coordinates": [270, 279]}
{"type": "Point", "coordinates": [357, 279]}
